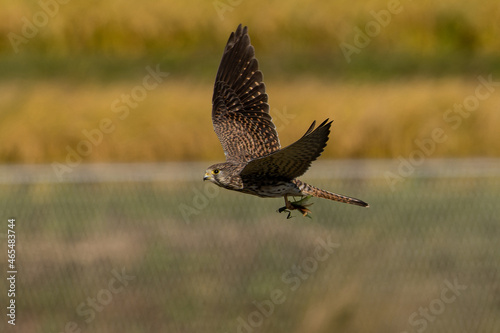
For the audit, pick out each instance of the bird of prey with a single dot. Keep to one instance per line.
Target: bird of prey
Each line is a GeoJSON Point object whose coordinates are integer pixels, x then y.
{"type": "Point", "coordinates": [255, 162]}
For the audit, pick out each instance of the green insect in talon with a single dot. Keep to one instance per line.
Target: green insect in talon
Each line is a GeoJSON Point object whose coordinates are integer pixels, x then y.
{"type": "Point", "coordinates": [296, 205]}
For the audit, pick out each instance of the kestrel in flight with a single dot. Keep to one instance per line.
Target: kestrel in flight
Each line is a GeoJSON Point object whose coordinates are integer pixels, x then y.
{"type": "Point", "coordinates": [255, 162]}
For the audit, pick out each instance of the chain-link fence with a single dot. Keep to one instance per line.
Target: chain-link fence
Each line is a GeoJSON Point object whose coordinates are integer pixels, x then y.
{"type": "Point", "coordinates": [152, 248]}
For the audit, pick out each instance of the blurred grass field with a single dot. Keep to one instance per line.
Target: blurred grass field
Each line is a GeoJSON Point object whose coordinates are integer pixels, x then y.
{"type": "Point", "coordinates": [41, 120]}
{"type": "Point", "coordinates": [125, 29]}
{"type": "Point", "coordinates": [202, 259]}
{"type": "Point", "coordinates": [64, 79]}
{"type": "Point", "coordinates": [204, 272]}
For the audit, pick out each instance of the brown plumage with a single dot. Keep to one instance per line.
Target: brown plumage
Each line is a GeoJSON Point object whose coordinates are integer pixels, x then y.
{"type": "Point", "coordinates": [255, 162]}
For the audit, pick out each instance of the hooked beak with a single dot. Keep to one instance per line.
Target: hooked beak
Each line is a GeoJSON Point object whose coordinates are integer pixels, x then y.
{"type": "Point", "coordinates": [207, 176]}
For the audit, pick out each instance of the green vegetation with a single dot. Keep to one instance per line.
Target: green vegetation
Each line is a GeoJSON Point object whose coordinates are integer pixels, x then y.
{"type": "Point", "coordinates": [452, 37]}
{"type": "Point", "coordinates": [121, 28]}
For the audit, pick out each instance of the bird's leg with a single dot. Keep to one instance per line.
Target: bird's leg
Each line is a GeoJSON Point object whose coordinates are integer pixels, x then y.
{"type": "Point", "coordinates": [299, 205]}
{"type": "Point", "coordinates": [287, 208]}
{"type": "Point", "coordinates": [288, 204]}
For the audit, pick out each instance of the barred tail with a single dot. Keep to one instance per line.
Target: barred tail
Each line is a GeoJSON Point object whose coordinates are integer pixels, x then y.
{"type": "Point", "coordinates": [307, 189]}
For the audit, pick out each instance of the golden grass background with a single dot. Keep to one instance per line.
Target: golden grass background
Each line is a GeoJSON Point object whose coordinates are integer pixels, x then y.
{"type": "Point", "coordinates": [64, 79]}
{"type": "Point", "coordinates": [173, 122]}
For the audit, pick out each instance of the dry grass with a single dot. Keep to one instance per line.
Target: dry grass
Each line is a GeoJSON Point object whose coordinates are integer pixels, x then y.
{"type": "Point", "coordinates": [40, 120]}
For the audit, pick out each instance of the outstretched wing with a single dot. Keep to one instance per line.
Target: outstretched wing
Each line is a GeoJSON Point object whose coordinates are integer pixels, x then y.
{"type": "Point", "coordinates": [293, 160]}
{"type": "Point", "coordinates": [240, 113]}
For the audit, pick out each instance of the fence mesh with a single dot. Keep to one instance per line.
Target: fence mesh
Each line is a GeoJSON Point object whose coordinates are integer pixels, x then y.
{"type": "Point", "coordinates": [152, 248]}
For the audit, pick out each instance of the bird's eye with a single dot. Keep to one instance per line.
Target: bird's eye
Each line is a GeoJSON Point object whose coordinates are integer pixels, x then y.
{"type": "Point", "coordinates": [216, 171]}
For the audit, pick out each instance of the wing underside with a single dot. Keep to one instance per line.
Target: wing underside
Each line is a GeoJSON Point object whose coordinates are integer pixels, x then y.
{"type": "Point", "coordinates": [240, 113]}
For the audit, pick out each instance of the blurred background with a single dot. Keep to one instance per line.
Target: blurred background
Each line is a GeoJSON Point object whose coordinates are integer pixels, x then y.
{"type": "Point", "coordinates": [105, 134]}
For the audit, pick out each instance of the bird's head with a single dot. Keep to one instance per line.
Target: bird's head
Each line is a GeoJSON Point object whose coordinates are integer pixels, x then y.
{"type": "Point", "coordinates": [218, 174]}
